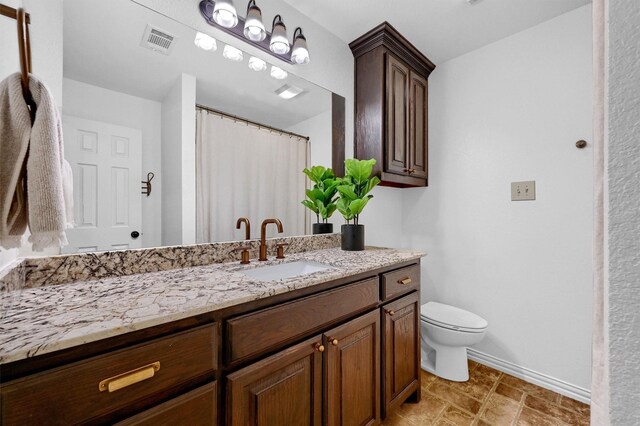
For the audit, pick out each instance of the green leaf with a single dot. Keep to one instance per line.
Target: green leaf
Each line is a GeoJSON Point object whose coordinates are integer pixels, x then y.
{"type": "Point", "coordinates": [310, 205]}
{"type": "Point", "coordinates": [343, 207]}
{"type": "Point", "coordinates": [358, 205]}
{"type": "Point", "coordinates": [316, 173]}
{"type": "Point", "coordinates": [359, 170]}
{"type": "Point", "coordinates": [371, 183]}
{"type": "Point", "coordinates": [347, 191]}
{"type": "Point", "coordinates": [331, 208]}
{"type": "Point", "coordinates": [315, 194]}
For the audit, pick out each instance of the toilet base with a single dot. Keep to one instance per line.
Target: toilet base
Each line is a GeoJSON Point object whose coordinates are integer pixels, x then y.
{"type": "Point", "coordinates": [448, 362]}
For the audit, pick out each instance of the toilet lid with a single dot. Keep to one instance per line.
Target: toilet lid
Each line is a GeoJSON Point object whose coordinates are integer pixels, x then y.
{"type": "Point", "coordinates": [451, 317]}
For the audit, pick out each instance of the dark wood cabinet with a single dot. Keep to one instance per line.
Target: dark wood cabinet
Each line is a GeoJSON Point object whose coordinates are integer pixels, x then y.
{"type": "Point", "coordinates": [401, 350]}
{"type": "Point", "coordinates": [284, 389]}
{"type": "Point", "coordinates": [341, 353]}
{"type": "Point", "coordinates": [391, 106]}
{"type": "Point", "coordinates": [352, 372]}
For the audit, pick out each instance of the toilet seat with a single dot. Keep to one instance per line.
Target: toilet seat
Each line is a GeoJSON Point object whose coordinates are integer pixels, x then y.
{"type": "Point", "coordinates": [452, 318]}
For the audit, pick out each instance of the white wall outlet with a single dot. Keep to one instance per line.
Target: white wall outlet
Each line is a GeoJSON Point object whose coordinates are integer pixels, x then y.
{"type": "Point", "coordinates": [521, 191]}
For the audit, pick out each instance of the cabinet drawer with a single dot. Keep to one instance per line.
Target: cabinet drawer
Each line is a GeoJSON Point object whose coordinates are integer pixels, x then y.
{"type": "Point", "coordinates": [197, 407]}
{"type": "Point", "coordinates": [131, 378]}
{"type": "Point", "coordinates": [270, 328]}
{"type": "Point", "coordinates": [400, 281]}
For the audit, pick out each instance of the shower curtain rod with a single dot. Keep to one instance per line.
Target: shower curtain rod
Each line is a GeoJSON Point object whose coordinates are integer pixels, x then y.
{"type": "Point", "coordinates": [244, 120]}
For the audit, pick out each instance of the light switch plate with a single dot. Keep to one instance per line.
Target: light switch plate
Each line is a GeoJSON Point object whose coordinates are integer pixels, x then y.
{"type": "Point", "coordinates": [523, 191]}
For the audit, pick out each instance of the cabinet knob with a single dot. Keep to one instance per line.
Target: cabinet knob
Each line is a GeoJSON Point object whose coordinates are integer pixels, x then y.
{"type": "Point", "coordinates": [319, 347]}
{"type": "Point", "coordinates": [405, 281]}
{"type": "Point", "coordinates": [391, 313]}
{"type": "Point", "coordinates": [334, 342]}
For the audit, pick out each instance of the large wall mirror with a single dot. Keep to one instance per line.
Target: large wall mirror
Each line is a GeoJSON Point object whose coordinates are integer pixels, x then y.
{"type": "Point", "coordinates": [219, 134]}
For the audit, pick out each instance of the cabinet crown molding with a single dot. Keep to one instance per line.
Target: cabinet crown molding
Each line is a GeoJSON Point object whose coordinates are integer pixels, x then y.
{"type": "Point", "coordinates": [386, 35]}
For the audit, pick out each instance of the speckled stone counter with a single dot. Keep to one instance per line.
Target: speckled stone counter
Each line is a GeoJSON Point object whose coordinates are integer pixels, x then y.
{"type": "Point", "coordinates": [48, 318]}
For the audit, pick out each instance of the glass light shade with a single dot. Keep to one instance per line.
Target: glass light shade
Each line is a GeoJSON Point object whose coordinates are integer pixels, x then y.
{"type": "Point", "coordinates": [278, 73]}
{"type": "Point", "coordinates": [300, 52]}
{"type": "Point", "coordinates": [257, 64]}
{"type": "Point", "coordinates": [253, 26]}
{"type": "Point", "coordinates": [232, 54]}
{"type": "Point", "coordinates": [205, 41]}
{"type": "Point", "coordinates": [279, 43]}
{"type": "Point", "coordinates": [224, 13]}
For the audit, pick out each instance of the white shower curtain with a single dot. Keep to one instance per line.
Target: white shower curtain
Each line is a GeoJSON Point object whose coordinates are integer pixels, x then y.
{"type": "Point", "coordinates": [246, 171]}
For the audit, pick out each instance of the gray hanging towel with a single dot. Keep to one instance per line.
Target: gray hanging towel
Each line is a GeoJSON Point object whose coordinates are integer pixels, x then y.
{"type": "Point", "coordinates": [35, 179]}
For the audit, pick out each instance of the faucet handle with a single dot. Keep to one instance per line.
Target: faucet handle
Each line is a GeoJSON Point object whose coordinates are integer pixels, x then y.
{"type": "Point", "coordinates": [280, 250]}
{"type": "Point", "coordinates": [244, 255]}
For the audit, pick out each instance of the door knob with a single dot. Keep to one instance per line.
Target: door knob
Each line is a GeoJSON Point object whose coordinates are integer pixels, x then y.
{"type": "Point", "coordinates": [135, 234]}
{"type": "Point", "coordinates": [334, 342]}
{"type": "Point", "coordinates": [318, 347]}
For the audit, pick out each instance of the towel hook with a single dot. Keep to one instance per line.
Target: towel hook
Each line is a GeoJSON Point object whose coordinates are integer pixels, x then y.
{"type": "Point", "coordinates": [146, 184]}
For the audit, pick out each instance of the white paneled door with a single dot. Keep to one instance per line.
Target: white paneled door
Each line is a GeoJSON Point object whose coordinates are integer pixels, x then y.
{"type": "Point", "coordinates": [106, 162]}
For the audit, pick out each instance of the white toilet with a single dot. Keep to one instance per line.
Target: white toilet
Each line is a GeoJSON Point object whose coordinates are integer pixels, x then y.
{"type": "Point", "coordinates": [446, 332]}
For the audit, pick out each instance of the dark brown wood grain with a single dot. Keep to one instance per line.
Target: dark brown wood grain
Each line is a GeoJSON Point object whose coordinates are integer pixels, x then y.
{"type": "Point", "coordinates": [391, 104]}
{"type": "Point", "coordinates": [418, 126]}
{"type": "Point", "coordinates": [70, 394]}
{"type": "Point", "coordinates": [252, 334]}
{"type": "Point", "coordinates": [352, 372]}
{"type": "Point", "coordinates": [198, 407]}
{"type": "Point", "coordinates": [401, 347]}
{"type": "Point", "coordinates": [392, 282]}
{"type": "Point", "coordinates": [338, 129]}
{"type": "Point", "coordinates": [283, 389]}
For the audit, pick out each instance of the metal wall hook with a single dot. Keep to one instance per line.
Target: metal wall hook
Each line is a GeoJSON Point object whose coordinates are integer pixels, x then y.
{"type": "Point", "coordinates": [146, 184]}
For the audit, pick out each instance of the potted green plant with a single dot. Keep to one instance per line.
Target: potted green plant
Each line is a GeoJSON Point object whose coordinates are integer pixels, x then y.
{"type": "Point", "coordinates": [354, 195]}
{"type": "Point", "coordinates": [321, 198]}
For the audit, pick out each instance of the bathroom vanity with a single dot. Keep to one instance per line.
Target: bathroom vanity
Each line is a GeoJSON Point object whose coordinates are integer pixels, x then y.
{"type": "Point", "coordinates": [337, 346]}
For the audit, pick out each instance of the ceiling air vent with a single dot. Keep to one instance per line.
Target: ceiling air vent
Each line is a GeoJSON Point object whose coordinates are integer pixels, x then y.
{"type": "Point", "coordinates": [158, 40]}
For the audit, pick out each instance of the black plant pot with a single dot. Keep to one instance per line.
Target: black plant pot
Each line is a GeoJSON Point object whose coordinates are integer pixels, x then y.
{"type": "Point", "coordinates": [353, 237]}
{"type": "Point", "coordinates": [323, 228]}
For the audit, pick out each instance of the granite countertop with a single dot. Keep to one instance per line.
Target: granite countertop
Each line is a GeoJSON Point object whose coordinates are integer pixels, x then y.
{"type": "Point", "coordinates": [35, 321]}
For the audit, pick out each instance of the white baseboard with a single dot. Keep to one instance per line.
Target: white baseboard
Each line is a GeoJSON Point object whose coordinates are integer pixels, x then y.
{"type": "Point", "coordinates": [547, 382]}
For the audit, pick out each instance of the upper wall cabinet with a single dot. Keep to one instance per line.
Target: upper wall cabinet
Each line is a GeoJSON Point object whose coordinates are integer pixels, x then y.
{"type": "Point", "coordinates": [391, 106]}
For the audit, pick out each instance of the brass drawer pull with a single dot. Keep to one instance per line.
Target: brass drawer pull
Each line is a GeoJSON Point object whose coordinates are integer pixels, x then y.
{"type": "Point", "coordinates": [391, 313]}
{"type": "Point", "coordinates": [405, 281]}
{"type": "Point", "coordinates": [123, 380]}
{"type": "Point", "coordinates": [318, 347]}
{"type": "Point", "coordinates": [334, 342]}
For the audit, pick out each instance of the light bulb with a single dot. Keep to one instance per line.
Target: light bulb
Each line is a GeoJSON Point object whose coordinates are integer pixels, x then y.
{"type": "Point", "coordinates": [278, 73]}
{"type": "Point", "coordinates": [205, 41]}
{"type": "Point", "coordinates": [257, 64]}
{"type": "Point", "coordinates": [253, 26]}
{"type": "Point", "coordinates": [224, 13]}
{"type": "Point", "coordinates": [279, 43]}
{"type": "Point", "coordinates": [232, 53]}
{"type": "Point", "coordinates": [300, 52]}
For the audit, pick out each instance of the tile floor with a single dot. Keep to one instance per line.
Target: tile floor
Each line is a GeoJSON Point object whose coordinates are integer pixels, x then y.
{"type": "Point", "coordinates": [488, 398]}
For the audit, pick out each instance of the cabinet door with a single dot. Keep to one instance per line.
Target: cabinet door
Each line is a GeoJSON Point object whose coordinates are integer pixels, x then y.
{"type": "Point", "coordinates": [401, 342]}
{"type": "Point", "coordinates": [397, 117]}
{"type": "Point", "coordinates": [352, 372]}
{"type": "Point", "coordinates": [284, 389]}
{"type": "Point", "coordinates": [418, 132]}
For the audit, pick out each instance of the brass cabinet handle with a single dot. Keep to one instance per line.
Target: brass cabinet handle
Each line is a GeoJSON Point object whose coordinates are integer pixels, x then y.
{"type": "Point", "coordinates": [334, 342]}
{"type": "Point", "coordinates": [391, 313]}
{"type": "Point", "coordinates": [123, 380]}
{"type": "Point", "coordinates": [405, 281]}
{"type": "Point", "coordinates": [319, 347]}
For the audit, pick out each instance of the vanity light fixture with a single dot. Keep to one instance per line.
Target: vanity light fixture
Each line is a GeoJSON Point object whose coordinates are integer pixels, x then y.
{"type": "Point", "coordinates": [257, 64]}
{"type": "Point", "coordinates": [289, 92]}
{"type": "Point", "coordinates": [232, 54]}
{"type": "Point", "coordinates": [300, 51]}
{"type": "Point", "coordinates": [253, 26]}
{"type": "Point", "coordinates": [205, 41]}
{"type": "Point", "coordinates": [278, 73]}
{"type": "Point", "coordinates": [224, 13]}
{"type": "Point", "coordinates": [279, 43]}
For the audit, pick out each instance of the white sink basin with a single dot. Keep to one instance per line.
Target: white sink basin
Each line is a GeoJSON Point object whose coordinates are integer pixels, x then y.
{"type": "Point", "coordinates": [285, 270]}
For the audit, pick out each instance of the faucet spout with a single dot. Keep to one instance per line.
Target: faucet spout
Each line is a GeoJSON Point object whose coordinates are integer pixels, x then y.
{"type": "Point", "coordinates": [263, 236]}
{"type": "Point", "coordinates": [247, 229]}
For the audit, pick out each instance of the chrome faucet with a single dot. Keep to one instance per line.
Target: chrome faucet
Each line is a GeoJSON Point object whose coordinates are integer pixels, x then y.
{"type": "Point", "coordinates": [247, 228]}
{"type": "Point", "coordinates": [263, 236]}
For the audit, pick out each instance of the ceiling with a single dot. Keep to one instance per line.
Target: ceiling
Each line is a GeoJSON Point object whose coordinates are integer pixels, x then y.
{"type": "Point", "coordinates": [441, 29]}
{"type": "Point", "coordinates": [102, 47]}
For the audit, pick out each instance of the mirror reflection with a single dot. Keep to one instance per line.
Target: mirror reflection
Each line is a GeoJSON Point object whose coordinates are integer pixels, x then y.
{"type": "Point", "coordinates": [214, 133]}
